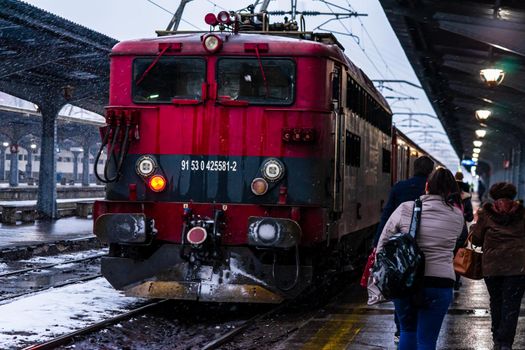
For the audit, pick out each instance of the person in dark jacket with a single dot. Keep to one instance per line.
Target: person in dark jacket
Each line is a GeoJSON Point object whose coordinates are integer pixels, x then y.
{"type": "Point", "coordinates": [463, 186]}
{"type": "Point", "coordinates": [404, 191]}
{"type": "Point", "coordinates": [407, 190]}
{"type": "Point", "coordinates": [481, 190]}
{"type": "Point", "coordinates": [500, 230]}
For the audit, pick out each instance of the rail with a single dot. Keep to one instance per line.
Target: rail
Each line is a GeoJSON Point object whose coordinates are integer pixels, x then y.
{"type": "Point", "coordinates": [47, 266]}
{"type": "Point", "coordinates": [64, 339]}
{"type": "Point", "coordinates": [227, 337]}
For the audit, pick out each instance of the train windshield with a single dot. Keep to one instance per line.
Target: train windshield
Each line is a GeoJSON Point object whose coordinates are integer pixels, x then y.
{"type": "Point", "coordinates": [265, 81]}
{"type": "Point", "coordinates": [162, 79]}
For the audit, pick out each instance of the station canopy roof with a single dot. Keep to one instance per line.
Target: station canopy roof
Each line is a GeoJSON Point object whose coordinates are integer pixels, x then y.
{"type": "Point", "coordinates": [448, 42]}
{"type": "Point", "coordinates": [42, 55]}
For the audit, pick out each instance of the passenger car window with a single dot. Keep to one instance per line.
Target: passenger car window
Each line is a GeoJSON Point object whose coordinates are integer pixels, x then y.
{"type": "Point", "coordinates": [268, 82]}
{"type": "Point", "coordinates": [168, 78]}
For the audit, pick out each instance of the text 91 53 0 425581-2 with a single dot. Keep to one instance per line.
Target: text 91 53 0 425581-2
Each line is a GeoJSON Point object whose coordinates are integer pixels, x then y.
{"type": "Point", "coordinates": [209, 165]}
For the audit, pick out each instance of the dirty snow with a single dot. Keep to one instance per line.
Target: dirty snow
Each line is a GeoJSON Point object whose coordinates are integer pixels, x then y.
{"type": "Point", "coordinates": [61, 258]}
{"type": "Point", "coordinates": [45, 315]}
{"type": "Point", "coordinates": [236, 269]}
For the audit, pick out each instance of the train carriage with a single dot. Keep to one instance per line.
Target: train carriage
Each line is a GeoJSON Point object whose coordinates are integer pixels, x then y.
{"type": "Point", "coordinates": [243, 163]}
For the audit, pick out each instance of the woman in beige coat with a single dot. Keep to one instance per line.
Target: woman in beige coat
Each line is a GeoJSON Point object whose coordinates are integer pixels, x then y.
{"type": "Point", "coordinates": [441, 224]}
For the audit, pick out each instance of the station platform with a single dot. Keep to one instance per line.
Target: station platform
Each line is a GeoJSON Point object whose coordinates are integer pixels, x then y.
{"type": "Point", "coordinates": [349, 323]}
{"type": "Point", "coordinates": [40, 232]}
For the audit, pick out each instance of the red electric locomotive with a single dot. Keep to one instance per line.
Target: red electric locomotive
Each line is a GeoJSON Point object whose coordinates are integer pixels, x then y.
{"type": "Point", "coordinates": [244, 163]}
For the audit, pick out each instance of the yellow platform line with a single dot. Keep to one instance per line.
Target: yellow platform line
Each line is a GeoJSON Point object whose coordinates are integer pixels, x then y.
{"type": "Point", "coordinates": [335, 334]}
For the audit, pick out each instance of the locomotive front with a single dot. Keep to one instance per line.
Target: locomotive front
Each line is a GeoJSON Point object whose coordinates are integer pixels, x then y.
{"type": "Point", "coordinates": [217, 178]}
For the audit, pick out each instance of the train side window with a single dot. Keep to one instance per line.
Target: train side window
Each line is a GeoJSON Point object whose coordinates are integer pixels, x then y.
{"type": "Point", "coordinates": [387, 157]}
{"type": "Point", "coordinates": [353, 149]}
{"type": "Point", "coordinates": [352, 95]}
{"type": "Point", "coordinates": [336, 84]}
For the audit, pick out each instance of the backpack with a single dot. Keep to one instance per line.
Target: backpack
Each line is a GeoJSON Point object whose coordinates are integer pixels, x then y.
{"type": "Point", "coordinates": [399, 267]}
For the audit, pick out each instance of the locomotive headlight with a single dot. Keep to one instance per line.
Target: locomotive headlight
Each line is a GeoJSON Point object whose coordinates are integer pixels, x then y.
{"type": "Point", "coordinates": [212, 43]}
{"type": "Point", "coordinates": [273, 232]}
{"type": "Point", "coordinates": [145, 165]}
{"type": "Point", "coordinates": [267, 231]}
{"type": "Point", "coordinates": [272, 170]}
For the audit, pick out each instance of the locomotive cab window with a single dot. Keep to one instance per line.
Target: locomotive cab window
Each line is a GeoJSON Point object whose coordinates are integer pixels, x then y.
{"type": "Point", "coordinates": [268, 81]}
{"type": "Point", "coordinates": [168, 78]}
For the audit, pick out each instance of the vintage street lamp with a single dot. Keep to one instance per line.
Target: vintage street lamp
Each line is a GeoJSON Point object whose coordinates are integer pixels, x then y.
{"type": "Point", "coordinates": [483, 114]}
{"type": "Point", "coordinates": [476, 150]}
{"type": "Point", "coordinates": [492, 76]}
{"type": "Point", "coordinates": [481, 133]}
{"type": "Point", "coordinates": [477, 143]}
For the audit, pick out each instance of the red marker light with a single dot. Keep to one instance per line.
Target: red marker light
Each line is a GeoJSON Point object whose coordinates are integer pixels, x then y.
{"type": "Point", "coordinates": [211, 20]}
{"type": "Point", "coordinates": [224, 17]}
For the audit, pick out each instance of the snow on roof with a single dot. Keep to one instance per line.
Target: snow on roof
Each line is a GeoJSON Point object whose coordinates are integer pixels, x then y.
{"type": "Point", "coordinates": [68, 111]}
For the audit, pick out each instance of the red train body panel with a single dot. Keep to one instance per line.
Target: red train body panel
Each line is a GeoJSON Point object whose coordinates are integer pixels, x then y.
{"type": "Point", "coordinates": [241, 172]}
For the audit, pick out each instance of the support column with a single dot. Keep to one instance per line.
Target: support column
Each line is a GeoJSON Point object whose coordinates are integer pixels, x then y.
{"type": "Point", "coordinates": [13, 166]}
{"type": "Point", "coordinates": [29, 165]}
{"type": "Point", "coordinates": [85, 164]}
{"type": "Point", "coordinates": [2, 163]}
{"type": "Point", "coordinates": [47, 192]}
{"type": "Point", "coordinates": [75, 165]}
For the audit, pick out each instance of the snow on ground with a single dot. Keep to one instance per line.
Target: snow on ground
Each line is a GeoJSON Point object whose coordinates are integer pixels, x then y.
{"type": "Point", "coordinates": [53, 259]}
{"type": "Point", "coordinates": [48, 314]}
{"type": "Point", "coordinates": [56, 259]}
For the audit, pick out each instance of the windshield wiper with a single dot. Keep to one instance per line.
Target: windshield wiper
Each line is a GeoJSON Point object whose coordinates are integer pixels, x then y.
{"type": "Point", "coordinates": [159, 55]}
{"type": "Point", "coordinates": [255, 47]}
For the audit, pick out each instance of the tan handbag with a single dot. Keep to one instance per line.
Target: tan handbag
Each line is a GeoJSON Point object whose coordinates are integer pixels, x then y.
{"type": "Point", "coordinates": [467, 261]}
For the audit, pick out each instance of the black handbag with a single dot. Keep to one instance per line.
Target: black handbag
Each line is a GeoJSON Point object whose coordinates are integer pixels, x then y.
{"type": "Point", "coordinates": [399, 267]}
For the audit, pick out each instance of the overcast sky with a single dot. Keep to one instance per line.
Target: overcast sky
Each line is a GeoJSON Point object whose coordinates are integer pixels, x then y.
{"type": "Point", "coordinates": [375, 48]}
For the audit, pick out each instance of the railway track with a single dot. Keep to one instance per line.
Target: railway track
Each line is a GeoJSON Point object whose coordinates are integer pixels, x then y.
{"type": "Point", "coordinates": [194, 325]}
{"type": "Point", "coordinates": [49, 248]}
{"type": "Point", "coordinates": [227, 337]}
{"type": "Point", "coordinates": [13, 287]}
{"type": "Point", "coordinates": [301, 302]}
{"type": "Point", "coordinates": [47, 266]}
{"type": "Point", "coordinates": [4, 299]}
{"type": "Point", "coordinates": [66, 338]}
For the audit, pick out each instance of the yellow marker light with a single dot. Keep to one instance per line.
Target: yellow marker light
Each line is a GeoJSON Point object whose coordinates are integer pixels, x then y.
{"type": "Point", "coordinates": [157, 183]}
{"type": "Point", "coordinates": [259, 186]}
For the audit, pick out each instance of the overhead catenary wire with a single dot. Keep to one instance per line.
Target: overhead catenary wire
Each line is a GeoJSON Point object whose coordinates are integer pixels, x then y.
{"type": "Point", "coordinates": [352, 35]}
{"type": "Point", "coordinates": [377, 50]}
{"type": "Point", "coordinates": [172, 13]}
{"type": "Point", "coordinates": [215, 5]}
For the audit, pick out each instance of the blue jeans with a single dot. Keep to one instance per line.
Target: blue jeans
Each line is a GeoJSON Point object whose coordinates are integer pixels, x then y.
{"type": "Point", "coordinates": [420, 324]}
